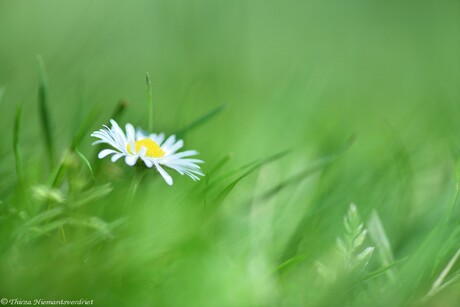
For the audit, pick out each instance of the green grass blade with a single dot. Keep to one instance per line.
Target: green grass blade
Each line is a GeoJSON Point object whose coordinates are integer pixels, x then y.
{"type": "Point", "coordinates": [380, 271]}
{"type": "Point", "coordinates": [435, 288]}
{"type": "Point", "coordinates": [2, 94]}
{"type": "Point", "coordinates": [58, 175]}
{"type": "Point", "coordinates": [119, 109]}
{"type": "Point", "coordinates": [85, 161]}
{"type": "Point", "coordinates": [16, 148]}
{"type": "Point", "coordinates": [84, 128]}
{"type": "Point", "coordinates": [91, 195]}
{"type": "Point", "coordinates": [219, 165]}
{"type": "Point", "coordinates": [43, 103]}
{"type": "Point", "coordinates": [200, 121]}
{"type": "Point", "coordinates": [252, 165]}
{"type": "Point", "coordinates": [149, 102]}
{"type": "Point", "coordinates": [297, 178]}
{"type": "Point", "coordinates": [455, 278]}
{"type": "Point", "coordinates": [83, 131]}
{"type": "Point", "coordinates": [226, 191]}
{"type": "Point", "coordinates": [379, 236]}
{"type": "Point", "coordinates": [94, 223]}
{"type": "Point", "coordinates": [45, 229]}
{"type": "Point", "coordinates": [297, 236]}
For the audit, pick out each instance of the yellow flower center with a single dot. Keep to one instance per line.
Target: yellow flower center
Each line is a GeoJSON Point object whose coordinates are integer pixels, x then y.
{"type": "Point", "coordinates": [153, 149]}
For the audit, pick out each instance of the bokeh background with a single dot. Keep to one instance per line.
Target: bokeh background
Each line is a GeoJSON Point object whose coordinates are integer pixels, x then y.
{"type": "Point", "coordinates": [304, 76]}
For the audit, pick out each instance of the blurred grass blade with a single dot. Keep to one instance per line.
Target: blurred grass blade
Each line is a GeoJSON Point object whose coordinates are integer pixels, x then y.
{"type": "Point", "coordinates": [283, 266]}
{"type": "Point", "coordinates": [84, 128]}
{"type": "Point", "coordinates": [46, 215]}
{"type": "Point", "coordinates": [252, 165]}
{"type": "Point", "coordinates": [149, 103]}
{"type": "Point", "coordinates": [85, 160]}
{"type": "Point", "coordinates": [437, 285]}
{"type": "Point", "coordinates": [449, 282]}
{"type": "Point", "coordinates": [91, 195]}
{"type": "Point", "coordinates": [119, 109]}
{"type": "Point", "coordinates": [226, 191]}
{"type": "Point", "coordinates": [73, 148]}
{"type": "Point", "coordinates": [200, 121]}
{"type": "Point", "coordinates": [218, 167]}
{"type": "Point", "coordinates": [45, 118]}
{"type": "Point", "coordinates": [456, 193]}
{"type": "Point", "coordinates": [16, 148]}
{"type": "Point", "coordinates": [295, 179]}
{"type": "Point", "coordinates": [379, 236]}
{"type": "Point", "coordinates": [55, 225]}
{"type": "Point", "coordinates": [2, 93]}
{"type": "Point", "coordinates": [297, 236]}
{"type": "Point", "coordinates": [380, 271]}
{"type": "Point", "coordinates": [94, 223]}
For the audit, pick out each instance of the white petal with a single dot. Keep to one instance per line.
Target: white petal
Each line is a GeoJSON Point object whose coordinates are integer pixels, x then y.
{"type": "Point", "coordinates": [148, 163]}
{"type": "Point", "coordinates": [142, 152]}
{"type": "Point", "coordinates": [158, 138]}
{"type": "Point", "coordinates": [164, 174]}
{"type": "Point", "coordinates": [104, 153]}
{"type": "Point", "coordinates": [119, 138]}
{"type": "Point", "coordinates": [184, 154]}
{"type": "Point", "coordinates": [168, 143]}
{"type": "Point", "coordinates": [130, 133]}
{"type": "Point", "coordinates": [183, 165]}
{"type": "Point", "coordinates": [105, 138]}
{"type": "Point", "coordinates": [131, 159]}
{"type": "Point", "coordinates": [179, 144]}
{"type": "Point", "coordinates": [140, 134]}
{"type": "Point", "coordinates": [117, 156]}
{"type": "Point", "coordinates": [116, 128]}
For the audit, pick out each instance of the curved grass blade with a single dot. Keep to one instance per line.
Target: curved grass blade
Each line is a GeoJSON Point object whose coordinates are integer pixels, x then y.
{"type": "Point", "coordinates": [218, 166]}
{"type": "Point", "coordinates": [94, 223]}
{"type": "Point", "coordinates": [252, 165]}
{"type": "Point", "coordinates": [85, 160]}
{"type": "Point", "coordinates": [84, 128]}
{"type": "Point", "coordinates": [319, 165]}
{"type": "Point", "coordinates": [200, 121]}
{"type": "Point", "coordinates": [379, 236]}
{"type": "Point", "coordinates": [73, 148]}
{"type": "Point", "coordinates": [438, 284]}
{"type": "Point", "coordinates": [379, 272]}
{"type": "Point", "coordinates": [91, 195]}
{"type": "Point", "coordinates": [226, 191]}
{"type": "Point", "coordinates": [55, 225]}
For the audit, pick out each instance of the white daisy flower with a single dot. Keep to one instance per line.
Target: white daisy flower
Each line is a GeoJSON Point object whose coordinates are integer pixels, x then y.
{"type": "Point", "coordinates": [151, 149]}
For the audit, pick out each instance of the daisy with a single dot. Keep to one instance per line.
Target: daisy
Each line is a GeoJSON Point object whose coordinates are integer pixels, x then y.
{"type": "Point", "coordinates": [153, 150]}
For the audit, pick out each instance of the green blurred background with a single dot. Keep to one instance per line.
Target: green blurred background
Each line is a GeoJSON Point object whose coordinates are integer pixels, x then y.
{"type": "Point", "coordinates": [303, 76]}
